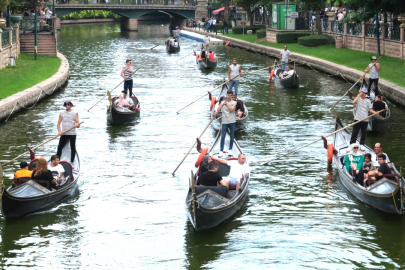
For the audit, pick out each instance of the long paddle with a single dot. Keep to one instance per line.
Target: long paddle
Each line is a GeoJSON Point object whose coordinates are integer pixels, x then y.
{"type": "Point", "coordinates": [39, 145]}
{"type": "Point", "coordinates": [221, 86]}
{"type": "Point", "coordinates": [111, 91]}
{"type": "Point", "coordinates": [154, 46]}
{"type": "Point", "coordinates": [336, 131]}
{"type": "Point", "coordinates": [362, 76]}
{"type": "Point", "coordinates": [193, 145]}
{"type": "Point", "coordinates": [184, 57]}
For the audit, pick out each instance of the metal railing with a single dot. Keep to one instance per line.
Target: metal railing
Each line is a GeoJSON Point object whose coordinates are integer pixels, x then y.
{"type": "Point", "coordinates": [337, 27]}
{"type": "Point", "coordinates": [393, 32]}
{"type": "Point", "coordinates": [5, 38]}
{"type": "Point", "coordinates": [371, 30]}
{"type": "Point", "coordinates": [28, 25]}
{"type": "Point", "coordinates": [354, 29]}
{"type": "Point", "coordinates": [128, 2]}
{"type": "Point", "coordinates": [14, 35]}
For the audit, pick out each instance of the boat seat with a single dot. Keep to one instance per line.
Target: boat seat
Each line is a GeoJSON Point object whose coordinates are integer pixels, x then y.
{"type": "Point", "coordinates": [22, 180]}
{"type": "Point", "coordinates": [30, 189]}
{"type": "Point", "coordinates": [68, 169]}
{"type": "Point", "coordinates": [217, 189]}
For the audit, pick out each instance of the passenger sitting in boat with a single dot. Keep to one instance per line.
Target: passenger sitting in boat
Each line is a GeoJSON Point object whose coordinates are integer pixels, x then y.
{"type": "Point", "coordinates": [23, 173]}
{"type": "Point", "coordinates": [41, 172]}
{"type": "Point", "coordinates": [203, 55]}
{"type": "Point", "coordinates": [211, 56]}
{"type": "Point", "coordinates": [212, 178]}
{"type": "Point", "coordinates": [56, 168]}
{"type": "Point", "coordinates": [354, 163]}
{"type": "Point", "coordinates": [288, 73]}
{"type": "Point", "coordinates": [379, 105]}
{"type": "Point", "coordinates": [175, 43]}
{"type": "Point", "coordinates": [378, 151]}
{"type": "Point", "coordinates": [240, 109]}
{"type": "Point", "coordinates": [239, 170]}
{"type": "Point", "coordinates": [384, 168]}
{"type": "Point", "coordinates": [368, 168]}
{"type": "Point", "coordinates": [124, 102]}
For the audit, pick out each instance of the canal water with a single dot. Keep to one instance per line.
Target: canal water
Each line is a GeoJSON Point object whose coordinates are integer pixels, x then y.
{"type": "Point", "coordinates": [128, 211]}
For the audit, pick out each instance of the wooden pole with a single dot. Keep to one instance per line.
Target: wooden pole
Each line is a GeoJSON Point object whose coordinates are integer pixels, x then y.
{"type": "Point", "coordinates": [194, 144]}
{"type": "Point", "coordinates": [39, 145]}
{"type": "Point", "coordinates": [362, 76]}
{"type": "Point", "coordinates": [184, 57]}
{"type": "Point", "coordinates": [330, 134]}
{"type": "Point", "coordinates": [111, 91]}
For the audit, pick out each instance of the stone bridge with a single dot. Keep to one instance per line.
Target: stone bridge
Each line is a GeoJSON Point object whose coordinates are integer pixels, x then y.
{"type": "Point", "coordinates": [132, 10]}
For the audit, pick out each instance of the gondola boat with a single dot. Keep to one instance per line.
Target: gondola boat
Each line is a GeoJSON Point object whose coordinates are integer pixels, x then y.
{"type": "Point", "coordinates": [385, 195]}
{"type": "Point", "coordinates": [290, 82]}
{"type": "Point", "coordinates": [29, 196]}
{"type": "Point", "coordinates": [170, 48]}
{"type": "Point", "coordinates": [207, 63]}
{"type": "Point", "coordinates": [117, 115]}
{"type": "Point", "coordinates": [209, 206]}
{"type": "Point", "coordinates": [240, 122]}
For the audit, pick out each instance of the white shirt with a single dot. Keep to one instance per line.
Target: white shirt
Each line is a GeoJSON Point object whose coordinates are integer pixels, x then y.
{"type": "Point", "coordinates": [340, 16]}
{"type": "Point", "coordinates": [285, 55]}
{"type": "Point", "coordinates": [374, 159]}
{"type": "Point", "coordinates": [288, 73]}
{"type": "Point", "coordinates": [58, 168]}
{"type": "Point", "coordinates": [214, 22]}
{"type": "Point", "coordinates": [238, 170]}
{"type": "Point", "coordinates": [207, 40]}
{"type": "Point", "coordinates": [129, 100]}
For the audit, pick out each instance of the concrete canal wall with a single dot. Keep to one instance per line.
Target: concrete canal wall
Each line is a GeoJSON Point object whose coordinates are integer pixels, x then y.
{"type": "Point", "coordinates": [29, 97]}
{"type": "Point", "coordinates": [392, 91]}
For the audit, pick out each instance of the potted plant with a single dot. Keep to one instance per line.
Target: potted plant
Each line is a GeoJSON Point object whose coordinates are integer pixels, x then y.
{"type": "Point", "coordinates": [3, 5]}
{"type": "Point", "coordinates": [401, 18]}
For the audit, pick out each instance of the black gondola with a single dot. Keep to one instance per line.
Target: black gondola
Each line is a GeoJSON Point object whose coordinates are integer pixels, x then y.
{"type": "Point", "coordinates": [288, 82]}
{"type": "Point", "coordinates": [209, 206]}
{"type": "Point", "coordinates": [30, 197]}
{"type": "Point", "coordinates": [170, 48]}
{"type": "Point", "coordinates": [207, 63]}
{"type": "Point", "coordinates": [120, 115]}
{"type": "Point", "coordinates": [385, 195]}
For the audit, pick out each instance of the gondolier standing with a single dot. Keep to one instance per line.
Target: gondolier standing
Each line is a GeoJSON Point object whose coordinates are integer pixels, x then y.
{"type": "Point", "coordinates": [126, 73]}
{"type": "Point", "coordinates": [374, 69]}
{"type": "Point", "coordinates": [362, 107]}
{"type": "Point", "coordinates": [68, 119]}
{"type": "Point", "coordinates": [177, 33]}
{"type": "Point", "coordinates": [234, 73]}
{"type": "Point", "coordinates": [285, 56]}
{"type": "Point", "coordinates": [207, 41]}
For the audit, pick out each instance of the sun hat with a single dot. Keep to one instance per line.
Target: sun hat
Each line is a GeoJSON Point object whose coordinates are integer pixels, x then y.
{"type": "Point", "coordinates": [364, 90]}
{"type": "Point", "coordinates": [67, 102]}
{"type": "Point", "coordinates": [374, 58]}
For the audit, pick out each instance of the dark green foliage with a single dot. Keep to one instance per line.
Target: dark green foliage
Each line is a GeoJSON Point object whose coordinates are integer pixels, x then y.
{"type": "Point", "coordinates": [290, 37]}
{"type": "Point", "coordinates": [254, 28]}
{"type": "Point", "coordinates": [261, 33]}
{"type": "Point", "coordinates": [315, 40]}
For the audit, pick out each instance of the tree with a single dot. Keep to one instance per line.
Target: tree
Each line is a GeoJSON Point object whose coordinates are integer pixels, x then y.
{"type": "Point", "coordinates": [247, 5]}
{"type": "Point", "coordinates": [315, 5]}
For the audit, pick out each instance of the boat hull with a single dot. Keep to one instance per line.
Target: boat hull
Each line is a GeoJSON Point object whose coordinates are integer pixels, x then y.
{"type": "Point", "coordinates": [171, 49]}
{"type": "Point", "coordinates": [207, 64]}
{"type": "Point", "coordinates": [118, 117]}
{"type": "Point", "coordinates": [291, 82]}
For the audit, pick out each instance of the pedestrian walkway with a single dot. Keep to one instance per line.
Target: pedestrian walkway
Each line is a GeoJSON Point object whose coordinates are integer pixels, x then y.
{"type": "Point", "coordinates": [198, 37]}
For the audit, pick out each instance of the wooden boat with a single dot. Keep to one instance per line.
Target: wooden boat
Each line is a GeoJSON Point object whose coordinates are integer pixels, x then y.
{"type": "Point", "coordinates": [290, 82]}
{"type": "Point", "coordinates": [208, 206]}
{"type": "Point", "coordinates": [240, 122]}
{"type": "Point", "coordinates": [116, 115]}
{"type": "Point", "coordinates": [29, 196]}
{"type": "Point", "coordinates": [170, 48]}
{"type": "Point", "coordinates": [385, 195]}
{"type": "Point", "coordinates": [207, 63]}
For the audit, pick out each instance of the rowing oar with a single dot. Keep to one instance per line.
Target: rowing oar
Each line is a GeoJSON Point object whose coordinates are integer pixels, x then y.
{"type": "Point", "coordinates": [194, 144]}
{"type": "Point", "coordinates": [221, 86]}
{"type": "Point", "coordinates": [154, 46]}
{"type": "Point", "coordinates": [39, 145]}
{"type": "Point", "coordinates": [362, 76]}
{"type": "Point", "coordinates": [111, 91]}
{"type": "Point", "coordinates": [330, 134]}
{"type": "Point", "coordinates": [184, 57]}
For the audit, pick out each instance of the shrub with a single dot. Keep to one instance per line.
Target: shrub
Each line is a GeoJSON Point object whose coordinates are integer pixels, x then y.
{"type": "Point", "coordinates": [261, 33]}
{"type": "Point", "coordinates": [315, 40]}
{"type": "Point", "coordinates": [254, 28]}
{"type": "Point", "coordinates": [290, 37]}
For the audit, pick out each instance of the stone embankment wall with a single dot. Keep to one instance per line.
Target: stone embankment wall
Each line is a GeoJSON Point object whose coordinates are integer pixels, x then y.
{"type": "Point", "coordinates": [15, 103]}
{"type": "Point", "coordinates": [392, 91]}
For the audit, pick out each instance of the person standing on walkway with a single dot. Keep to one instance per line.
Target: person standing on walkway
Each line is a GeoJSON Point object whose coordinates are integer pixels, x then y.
{"type": "Point", "coordinates": [177, 34]}
{"type": "Point", "coordinates": [285, 56]}
{"type": "Point", "coordinates": [374, 69]}
{"type": "Point", "coordinates": [362, 108]}
{"type": "Point", "coordinates": [214, 25]}
{"type": "Point", "coordinates": [227, 108]}
{"type": "Point", "coordinates": [126, 73]}
{"type": "Point", "coordinates": [68, 119]}
{"type": "Point", "coordinates": [225, 27]}
{"type": "Point", "coordinates": [234, 74]}
{"type": "Point", "coordinates": [207, 41]}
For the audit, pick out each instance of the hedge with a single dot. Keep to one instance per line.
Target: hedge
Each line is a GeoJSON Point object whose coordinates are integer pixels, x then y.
{"type": "Point", "coordinates": [261, 33]}
{"type": "Point", "coordinates": [254, 28]}
{"type": "Point", "coordinates": [290, 37]}
{"type": "Point", "coordinates": [315, 40]}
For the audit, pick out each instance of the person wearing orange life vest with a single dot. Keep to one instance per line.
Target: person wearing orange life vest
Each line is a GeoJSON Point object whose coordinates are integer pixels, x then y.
{"type": "Point", "coordinates": [211, 56]}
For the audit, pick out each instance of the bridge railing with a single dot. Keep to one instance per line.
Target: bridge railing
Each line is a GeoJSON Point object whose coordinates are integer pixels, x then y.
{"type": "Point", "coordinates": [129, 2]}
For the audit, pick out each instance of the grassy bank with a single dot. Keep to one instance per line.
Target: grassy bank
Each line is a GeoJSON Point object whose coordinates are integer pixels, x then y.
{"type": "Point", "coordinates": [392, 69]}
{"type": "Point", "coordinates": [27, 73]}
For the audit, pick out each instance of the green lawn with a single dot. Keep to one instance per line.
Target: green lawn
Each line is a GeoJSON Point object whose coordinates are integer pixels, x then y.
{"type": "Point", "coordinates": [27, 73]}
{"type": "Point", "coordinates": [392, 69]}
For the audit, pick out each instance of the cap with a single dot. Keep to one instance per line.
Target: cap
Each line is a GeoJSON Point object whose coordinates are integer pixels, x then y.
{"type": "Point", "coordinates": [23, 164]}
{"type": "Point", "coordinates": [229, 92]}
{"type": "Point", "coordinates": [67, 101]}
{"type": "Point", "coordinates": [374, 58]}
{"type": "Point", "coordinates": [364, 90]}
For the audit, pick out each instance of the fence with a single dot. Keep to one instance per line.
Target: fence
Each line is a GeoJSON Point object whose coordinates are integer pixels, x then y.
{"type": "Point", "coordinates": [129, 2]}
{"type": "Point", "coordinates": [9, 44]}
{"type": "Point", "coordinates": [5, 38]}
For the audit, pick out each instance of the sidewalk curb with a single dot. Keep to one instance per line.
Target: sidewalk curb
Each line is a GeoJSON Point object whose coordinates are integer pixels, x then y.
{"type": "Point", "coordinates": [26, 98]}
{"type": "Point", "coordinates": [393, 92]}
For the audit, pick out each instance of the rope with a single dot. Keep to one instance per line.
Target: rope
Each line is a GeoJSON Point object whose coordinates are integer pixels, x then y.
{"type": "Point", "coordinates": [29, 108]}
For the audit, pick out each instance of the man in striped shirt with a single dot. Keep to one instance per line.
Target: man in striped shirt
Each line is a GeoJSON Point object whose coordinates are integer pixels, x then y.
{"type": "Point", "coordinates": [362, 108]}
{"type": "Point", "coordinates": [126, 73]}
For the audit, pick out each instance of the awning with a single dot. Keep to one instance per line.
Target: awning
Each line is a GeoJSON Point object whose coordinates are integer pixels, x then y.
{"type": "Point", "coordinates": [215, 12]}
